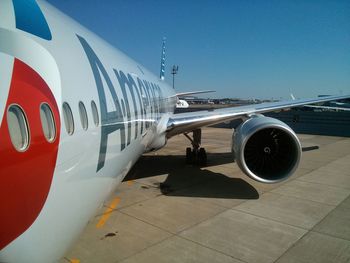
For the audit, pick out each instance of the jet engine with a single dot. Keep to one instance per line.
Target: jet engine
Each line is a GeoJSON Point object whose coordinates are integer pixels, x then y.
{"type": "Point", "coordinates": [266, 149]}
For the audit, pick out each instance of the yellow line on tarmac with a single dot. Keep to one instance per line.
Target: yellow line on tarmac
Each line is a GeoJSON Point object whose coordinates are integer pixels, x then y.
{"type": "Point", "coordinates": [108, 212]}
{"type": "Point", "coordinates": [130, 182]}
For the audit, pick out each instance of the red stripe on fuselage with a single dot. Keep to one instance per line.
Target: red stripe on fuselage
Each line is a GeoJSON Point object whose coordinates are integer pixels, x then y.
{"type": "Point", "coordinates": [25, 177]}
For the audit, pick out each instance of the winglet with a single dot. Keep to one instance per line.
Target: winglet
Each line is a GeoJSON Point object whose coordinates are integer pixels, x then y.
{"type": "Point", "coordinates": [162, 61]}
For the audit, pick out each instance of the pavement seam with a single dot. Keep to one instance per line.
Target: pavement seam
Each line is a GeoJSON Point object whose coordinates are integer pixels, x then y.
{"type": "Point", "coordinates": [303, 199]}
{"type": "Point", "coordinates": [146, 222]}
{"type": "Point", "coordinates": [142, 250]}
{"type": "Point", "coordinates": [214, 215]}
{"type": "Point", "coordinates": [309, 199]}
{"type": "Point", "coordinates": [119, 208]}
{"type": "Point", "coordinates": [276, 221]}
{"type": "Point", "coordinates": [218, 251]}
{"type": "Point", "coordinates": [291, 246]}
{"type": "Point", "coordinates": [332, 185]}
{"type": "Point", "coordinates": [332, 208]}
{"type": "Point", "coordinates": [312, 230]}
{"type": "Point", "coordinates": [330, 235]}
{"type": "Point", "coordinates": [189, 240]}
{"type": "Point", "coordinates": [200, 222]}
{"type": "Point", "coordinates": [297, 197]}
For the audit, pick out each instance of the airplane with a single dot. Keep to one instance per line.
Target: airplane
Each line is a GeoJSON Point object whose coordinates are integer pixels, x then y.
{"type": "Point", "coordinates": [328, 105]}
{"type": "Point", "coordinates": [182, 101]}
{"type": "Point", "coordinates": [76, 114]}
{"type": "Point", "coordinates": [332, 108]}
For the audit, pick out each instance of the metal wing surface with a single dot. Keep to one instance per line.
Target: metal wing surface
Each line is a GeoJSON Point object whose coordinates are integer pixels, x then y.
{"type": "Point", "coordinates": [186, 122]}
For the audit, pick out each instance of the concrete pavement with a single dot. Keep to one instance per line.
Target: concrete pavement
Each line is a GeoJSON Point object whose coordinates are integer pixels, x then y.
{"type": "Point", "coordinates": [168, 211]}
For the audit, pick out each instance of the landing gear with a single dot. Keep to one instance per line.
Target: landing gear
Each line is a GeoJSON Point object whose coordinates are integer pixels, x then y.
{"type": "Point", "coordinates": [189, 156]}
{"type": "Point", "coordinates": [196, 155]}
{"type": "Point", "coordinates": [202, 157]}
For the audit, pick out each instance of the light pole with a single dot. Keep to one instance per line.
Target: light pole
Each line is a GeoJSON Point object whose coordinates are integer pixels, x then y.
{"type": "Point", "coordinates": [174, 71]}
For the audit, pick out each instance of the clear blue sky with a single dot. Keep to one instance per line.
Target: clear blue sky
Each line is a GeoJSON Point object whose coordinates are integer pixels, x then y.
{"type": "Point", "coordinates": [247, 49]}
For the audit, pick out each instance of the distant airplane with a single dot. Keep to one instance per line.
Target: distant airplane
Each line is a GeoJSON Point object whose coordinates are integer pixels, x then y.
{"type": "Point", "coordinates": [182, 100]}
{"type": "Point", "coordinates": [182, 104]}
{"type": "Point", "coordinates": [337, 104]}
{"type": "Point", "coordinates": [332, 108]}
{"type": "Point", "coordinates": [76, 114]}
{"type": "Point", "coordinates": [328, 105]}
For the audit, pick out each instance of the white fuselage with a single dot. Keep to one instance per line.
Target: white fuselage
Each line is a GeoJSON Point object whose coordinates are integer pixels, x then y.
{"type": "Point", "coordinates": [133, 107]}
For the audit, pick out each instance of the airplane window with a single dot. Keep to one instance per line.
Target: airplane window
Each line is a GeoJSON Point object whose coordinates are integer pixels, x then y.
{"type": "Point", "coordinates": [94, 113]}
{"type": "Point", "coordinates": [47, 122]}
{"type": "Point", "coordinates": [68, 118]}
{"type": "Point", "coordinates": [83, 116]}
{"type": "Point", "coordinates": [18, 128]}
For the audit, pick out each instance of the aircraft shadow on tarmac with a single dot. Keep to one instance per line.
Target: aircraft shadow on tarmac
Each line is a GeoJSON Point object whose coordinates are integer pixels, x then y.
{"type": "Point", "coordinates": [190, 180]}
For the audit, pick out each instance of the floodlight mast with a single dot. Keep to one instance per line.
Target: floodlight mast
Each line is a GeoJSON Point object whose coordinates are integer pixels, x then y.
{"type": "Point", "coordinates": [174, 71]}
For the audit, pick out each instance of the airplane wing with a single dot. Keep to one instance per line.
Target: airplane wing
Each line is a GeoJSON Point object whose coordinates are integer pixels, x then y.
{"type": "Point", "coordinates": [193, 93]}
{"type": "Point", "coordinates": [186, 122]}
{"type": "Point", "coordinates": [328, 108]}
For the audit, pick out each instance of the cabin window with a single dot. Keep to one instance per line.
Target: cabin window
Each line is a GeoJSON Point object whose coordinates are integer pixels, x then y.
{"type": "Point", "coordinates": [47, 122]}
{"type": "Point", "coordinates": [68, 118]}
{"type": "Point", "coordinates": [83, 116]}
{"type": "Point", "coordinates": [94, 113]}
{"type": "Point", "coordinates": [18, 128]}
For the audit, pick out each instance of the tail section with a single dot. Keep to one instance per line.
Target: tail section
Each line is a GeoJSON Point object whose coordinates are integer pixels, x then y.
{"type": "Point", "coordinates": [162, 61]}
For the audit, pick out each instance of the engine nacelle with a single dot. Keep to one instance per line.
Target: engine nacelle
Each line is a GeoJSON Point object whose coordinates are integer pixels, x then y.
{"type": "Point", "coordinates": [266, 149]}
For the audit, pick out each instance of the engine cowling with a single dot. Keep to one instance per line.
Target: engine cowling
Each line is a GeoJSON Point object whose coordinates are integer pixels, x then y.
{"type": "Point", "coordinates": [266, 149]}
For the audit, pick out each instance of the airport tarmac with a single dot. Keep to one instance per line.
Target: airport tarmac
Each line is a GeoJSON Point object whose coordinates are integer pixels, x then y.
{"type": "Point", "coordinates": [167, 211]}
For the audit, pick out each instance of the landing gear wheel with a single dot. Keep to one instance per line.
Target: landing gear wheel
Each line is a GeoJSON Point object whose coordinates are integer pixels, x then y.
{"type": "Point", "coordinates": [189, 155]}
{"type": "Point", "coordinates": [196, 154]}
{"type": "Point", "coordinates": [202, 157]}
{"type": "Point", "coordinates": [198, 157]}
